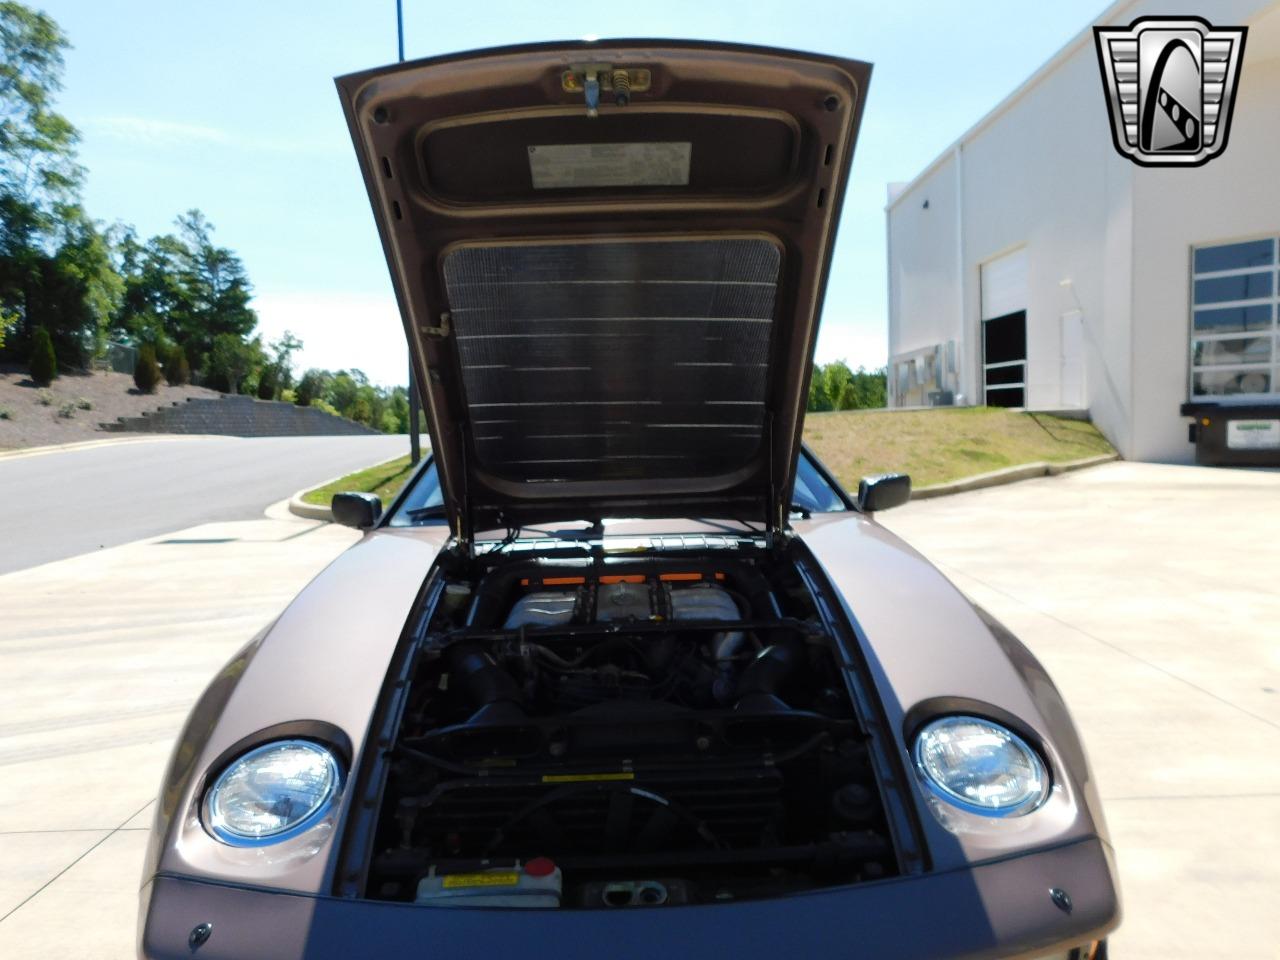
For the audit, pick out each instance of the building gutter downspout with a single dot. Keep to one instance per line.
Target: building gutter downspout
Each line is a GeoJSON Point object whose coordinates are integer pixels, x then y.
{"type": "Point", "coordinates": [961, 274]}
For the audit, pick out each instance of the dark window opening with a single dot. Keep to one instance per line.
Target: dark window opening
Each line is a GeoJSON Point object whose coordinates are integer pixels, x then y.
{"type": "Point", "coordinates": [1004, 358]}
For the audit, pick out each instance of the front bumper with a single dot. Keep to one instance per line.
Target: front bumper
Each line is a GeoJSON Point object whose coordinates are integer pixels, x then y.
{"type": "Point", "coordinates": [996, 910]}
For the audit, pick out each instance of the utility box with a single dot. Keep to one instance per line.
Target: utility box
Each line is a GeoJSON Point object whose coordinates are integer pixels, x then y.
{"type": "Point", "coordinates": [1235, 435]}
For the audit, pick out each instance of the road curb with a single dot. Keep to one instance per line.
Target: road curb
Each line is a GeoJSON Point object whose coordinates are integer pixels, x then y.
{"type": "Point", "coordinates": [313, 511]}
{"type": "Point", "coordinates": [996, 478]}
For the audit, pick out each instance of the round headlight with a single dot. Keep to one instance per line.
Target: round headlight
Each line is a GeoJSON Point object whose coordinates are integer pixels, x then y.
{"type": "Point", "coordinates": [272, 793]}
{"type": "Point", "coordinates": [980, 766]}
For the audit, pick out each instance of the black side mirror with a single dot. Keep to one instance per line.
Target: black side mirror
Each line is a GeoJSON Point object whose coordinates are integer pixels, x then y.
{"type": "Point", "coordinates": [359, 510]}
{"type": "Point", "coordinates": [882, 492]}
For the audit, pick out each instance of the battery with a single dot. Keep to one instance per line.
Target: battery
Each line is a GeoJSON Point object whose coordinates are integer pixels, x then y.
{"type": "Point", "coordinates": [535, 884]}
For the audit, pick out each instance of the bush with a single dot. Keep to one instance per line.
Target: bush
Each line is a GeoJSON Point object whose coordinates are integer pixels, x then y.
{"type": "Point", "coordinates": [44, 362]}
{"type": "Point", "coordinates": [268, 382]}
{"type": "Point", "coordinates": [146, 372]}
{"type": "Point", "coordinates": [67, 411]}
{"type": "Point", "coordinates": [84, 403]}
{"type": "Point", "coordinates": [44, 398]}
{"type": "Point", "coordinates": [177, 369]}
{"type": "Point", "coordinates": [5, 414]}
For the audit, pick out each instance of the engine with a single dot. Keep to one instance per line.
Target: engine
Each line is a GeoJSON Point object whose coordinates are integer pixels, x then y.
{"type": "Point", "coordinates": [661, 735]}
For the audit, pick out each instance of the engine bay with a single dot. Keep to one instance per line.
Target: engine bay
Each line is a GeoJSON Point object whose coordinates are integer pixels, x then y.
{"type": "Point", "coordinates": [625, 731]}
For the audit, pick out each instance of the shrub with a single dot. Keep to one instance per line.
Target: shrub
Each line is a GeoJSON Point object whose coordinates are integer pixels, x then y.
{"type": "Point", "coordinates": [67, 411]}
{"type": "Point", "coordinates": [44, 362]}
{"type": "Point", "coordinates": [146, 372]}
{"type": "Point", "coordinates": [268, 382]}
{"type": "Point", "coordinates": [5, 414]}
{"type": "Point", "coordinates": [177, 369]}
{"type": "Point", "coordinates": [44, 398]}
{"type": "Point", "coordinates": [84, 403]}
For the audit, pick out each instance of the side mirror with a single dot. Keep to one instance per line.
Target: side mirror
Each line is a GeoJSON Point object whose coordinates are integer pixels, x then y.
{"type": "Point", "coordinates": [359, 510]}
{"type": "Point", "coordinates": [882, 492]}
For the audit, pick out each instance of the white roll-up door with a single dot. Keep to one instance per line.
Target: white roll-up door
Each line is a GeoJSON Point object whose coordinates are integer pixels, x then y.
{"type": "Point", "coordinates": [1004, 285]}
{"type": "Point", "coordinates": [1004, 330]}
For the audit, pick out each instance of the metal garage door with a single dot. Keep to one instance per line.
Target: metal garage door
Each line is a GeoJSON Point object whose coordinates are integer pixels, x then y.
{"type": "Point", "coordinates": [1004, 330]}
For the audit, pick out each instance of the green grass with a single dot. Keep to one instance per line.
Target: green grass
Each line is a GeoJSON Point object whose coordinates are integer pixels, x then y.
{"type": "Point", "coordinates": [384, 479]}
{"type": "Point", "coordinates": [938, 446]}
{"type": "Point", "coordinates": [934, 446]}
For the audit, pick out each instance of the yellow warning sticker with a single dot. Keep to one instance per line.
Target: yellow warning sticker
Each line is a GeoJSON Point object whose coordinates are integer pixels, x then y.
{"type": "Point", "coordinates": [457, 881]}
{"type": "Point", "coordinates": [586, 777]}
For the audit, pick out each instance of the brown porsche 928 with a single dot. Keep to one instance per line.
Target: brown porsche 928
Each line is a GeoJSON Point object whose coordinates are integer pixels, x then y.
{"type": "Point", "coordinates": [623, 672]}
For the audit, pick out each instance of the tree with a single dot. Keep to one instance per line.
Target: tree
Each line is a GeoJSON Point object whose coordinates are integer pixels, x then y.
{"type": "Point", "coordinates": [177, 371]}
{"type": "Point", "coordinates": [282, 351]}
{"type": "Point", "coordinates": [146, 372]}
{"type": "Point", "coordinates": [184, 287]}
{"type": "Point", "coordinates": [312, 387]}
{"type": "Point", "coordinates": [230, 360]}
{"type": "Point", "coordinates": [835, 387]}
{"type": "Point", "coordinates": [818, 398]}
{"type": "Point", "coordinates": [8, 320]}
{"type": "Point", "coordinates": [43, 365]}
{"type": "Point", "coordinates": [39, 189]}
{"type": "Point", "coordinates": [217, 289]}
{"type": "Point", "coordinates": [38, 169]}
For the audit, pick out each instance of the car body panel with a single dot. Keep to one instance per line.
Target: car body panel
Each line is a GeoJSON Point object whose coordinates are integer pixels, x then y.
{"type": "Point", "coordinates": [999, 911]}
{"type": "Point", "coordinates": [444, 146]}
{"type": "Point", "coordinates": [931, 652]}
{"type": "Point", "coordinates": [316, 671]}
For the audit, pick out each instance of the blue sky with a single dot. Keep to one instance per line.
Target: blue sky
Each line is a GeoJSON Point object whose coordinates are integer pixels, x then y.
{"type": "Point", "coordinates": [229, 106]}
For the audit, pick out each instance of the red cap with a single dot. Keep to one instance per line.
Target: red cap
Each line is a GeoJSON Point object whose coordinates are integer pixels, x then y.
{"type": "Point", "coordinates": [540, 867]}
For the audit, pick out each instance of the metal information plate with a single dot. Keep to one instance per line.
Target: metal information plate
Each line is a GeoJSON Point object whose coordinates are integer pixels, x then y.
{"type": "Point", "coordinates": [1253, 434]}
{"type": "Point", "coordinates": [567, 165]}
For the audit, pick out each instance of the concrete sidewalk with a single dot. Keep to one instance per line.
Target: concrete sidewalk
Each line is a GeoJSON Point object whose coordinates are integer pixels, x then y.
{"type": "Point", "coordinates": [1151, 593]}
{"type": "Point", "coordinates": [102, 656]}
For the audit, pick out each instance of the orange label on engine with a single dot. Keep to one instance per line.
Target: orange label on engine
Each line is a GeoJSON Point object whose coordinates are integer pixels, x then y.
{"type": "Point", "coordinates": [585, 777]}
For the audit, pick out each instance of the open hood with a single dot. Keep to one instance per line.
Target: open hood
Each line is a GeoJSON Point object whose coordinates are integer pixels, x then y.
{"type": "Point", "coordinates": [610, 259]}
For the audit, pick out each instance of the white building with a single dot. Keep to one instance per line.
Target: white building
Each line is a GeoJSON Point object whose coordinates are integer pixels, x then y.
{"type": "Point", "coordinates": [1032, 265]}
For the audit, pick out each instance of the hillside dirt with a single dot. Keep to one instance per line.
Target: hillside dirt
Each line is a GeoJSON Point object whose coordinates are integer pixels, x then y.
{"type": "Point", "coordinates": [32, 416]}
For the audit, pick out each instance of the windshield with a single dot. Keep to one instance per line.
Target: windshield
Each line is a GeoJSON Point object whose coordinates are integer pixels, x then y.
{"type": "Point", "coordinates": [424, 502]}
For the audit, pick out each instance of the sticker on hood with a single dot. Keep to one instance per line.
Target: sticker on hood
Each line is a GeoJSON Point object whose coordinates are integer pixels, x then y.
{"type": "Point", "coordinates": [568, 165]}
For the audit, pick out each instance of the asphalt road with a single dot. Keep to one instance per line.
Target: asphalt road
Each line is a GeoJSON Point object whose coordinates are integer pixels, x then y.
{"type": "Point", "coordinates": [59, 505]}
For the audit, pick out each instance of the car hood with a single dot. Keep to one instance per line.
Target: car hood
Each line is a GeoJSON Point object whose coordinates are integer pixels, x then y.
{"type": "Point", "coordinates": [610, 259]}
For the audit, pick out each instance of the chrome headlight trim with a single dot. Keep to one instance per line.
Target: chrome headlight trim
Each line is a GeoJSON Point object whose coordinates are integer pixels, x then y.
{"type": "Point", "coordinates": [1033, 797]}
{"type": "Point", "coordinates": [215, 817]}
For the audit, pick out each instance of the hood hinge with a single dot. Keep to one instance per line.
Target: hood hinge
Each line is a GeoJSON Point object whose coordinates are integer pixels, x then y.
{"type": "Point", "coordinates": [466, 520]}
{"type": "Point", "coordinates": [441, 331]}
{"type": "Point", "coordinates": [773, 519]}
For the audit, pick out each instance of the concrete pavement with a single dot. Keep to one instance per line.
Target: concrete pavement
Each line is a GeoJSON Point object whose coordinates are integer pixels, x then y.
{"type": "Point", "coordinates": [1149, 592]}
{"type": "Point", "coordinates": [58, 505]}
{"type": "Point", "coordinates": [102, 656]}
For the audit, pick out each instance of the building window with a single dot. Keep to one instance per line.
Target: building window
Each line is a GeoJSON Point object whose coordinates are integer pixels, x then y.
{"type": "Point", "coordinates": [1235, 331]}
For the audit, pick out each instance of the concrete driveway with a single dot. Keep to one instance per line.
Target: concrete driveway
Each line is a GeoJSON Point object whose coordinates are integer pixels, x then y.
{"type": "Point", "coordinates": [64, 503]}
{"type": "Point", "coordinates": [1151, 593]}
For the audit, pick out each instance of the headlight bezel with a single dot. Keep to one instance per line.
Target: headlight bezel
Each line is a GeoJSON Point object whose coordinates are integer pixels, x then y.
{"type": "Point", "coordinates": [1032, 801]}
{"type": "Point", "coordinates": [215, 821]}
